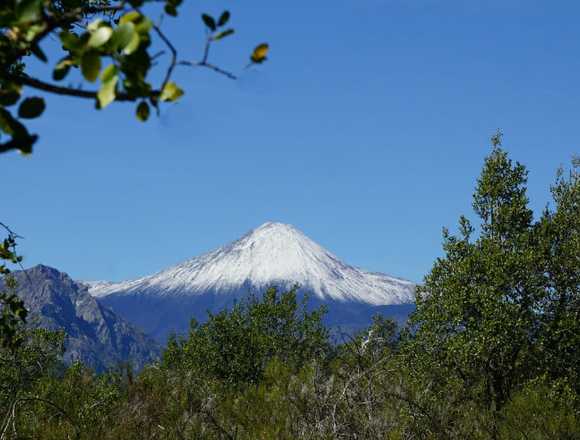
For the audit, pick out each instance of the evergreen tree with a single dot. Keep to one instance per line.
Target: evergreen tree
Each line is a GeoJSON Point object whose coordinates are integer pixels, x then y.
{"type": "Point", "coordinates": [559, 232]}
{"type": "Point", "coordinates": [480, 312]}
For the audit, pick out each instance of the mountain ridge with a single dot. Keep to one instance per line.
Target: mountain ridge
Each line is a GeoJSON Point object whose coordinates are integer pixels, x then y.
{"type": "Point", "coordinates": [272, 255]}
{"type": "Point", "coordinates": [95, 335]}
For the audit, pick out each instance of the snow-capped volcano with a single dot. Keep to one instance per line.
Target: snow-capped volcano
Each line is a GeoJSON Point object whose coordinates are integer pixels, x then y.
{"type": "Point", "coordinates": [273, 254]}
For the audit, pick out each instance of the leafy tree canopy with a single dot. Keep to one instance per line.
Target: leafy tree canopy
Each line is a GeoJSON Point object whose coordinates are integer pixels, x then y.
{"type": "Point", "coordinates": [114, 44]}
{"type": "Point", "coordinates": [502, 305]}
{"type": "Point", "coordinates": [236, 345]}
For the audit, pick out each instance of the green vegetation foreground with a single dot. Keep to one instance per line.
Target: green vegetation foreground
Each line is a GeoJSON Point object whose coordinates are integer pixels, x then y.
{"type": "Point", "coordinates": [490, 353]}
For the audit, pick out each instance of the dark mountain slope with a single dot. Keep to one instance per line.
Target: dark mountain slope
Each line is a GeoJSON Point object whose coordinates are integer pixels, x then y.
{"type": "Point", "coordinates": [95, 335]}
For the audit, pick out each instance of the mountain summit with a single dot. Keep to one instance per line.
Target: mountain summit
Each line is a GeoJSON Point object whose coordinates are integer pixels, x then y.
{"type": "Point", "coordinates": [274, 254]}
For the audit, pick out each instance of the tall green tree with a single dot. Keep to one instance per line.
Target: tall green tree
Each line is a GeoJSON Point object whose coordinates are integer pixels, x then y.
{"type": "Point", "coordinates": [485, 308]}
{"type": "Point", "coordinates": [559, 232]}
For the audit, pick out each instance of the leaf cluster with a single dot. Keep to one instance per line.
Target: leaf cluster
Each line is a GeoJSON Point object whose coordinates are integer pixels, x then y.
{"type": "Point", "coordinates": [12, 311]}
{"type": "Point", "coordinates": [110, 43]}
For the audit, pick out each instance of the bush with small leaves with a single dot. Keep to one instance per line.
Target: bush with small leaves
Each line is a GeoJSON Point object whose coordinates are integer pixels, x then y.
{"type": "Point", "coordinates": [236, 345]}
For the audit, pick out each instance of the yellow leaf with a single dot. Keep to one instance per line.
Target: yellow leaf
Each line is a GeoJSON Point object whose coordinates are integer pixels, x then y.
{"type": "Point", "coordinates": [133, 44]}
{"type": "Point", "coordinates": [171, 92]}
{"type": "Point", "coordinates": [129, 17]}
{"type": "Point", "coordinates": [143, 111]}
{"type": "Point", "coordinates": [107, 92]}
{"type": "Point", "coordinates": [260, 53]}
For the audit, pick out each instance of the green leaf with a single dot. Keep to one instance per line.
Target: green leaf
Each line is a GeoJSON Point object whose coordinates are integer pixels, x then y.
{"type": "Point", "coordinates": [100, 36]}
{"type": "Point", "coordinates": [38, 53]}
{"type": "Point", "coordinates": [209, 21]}
{"type": "Point", "coordinates": [31, 108]}
{"type": "Point", "coordinates": [90, 66]}
{"type": "Point", "coordinates": [60, 73]}
{"type": "Point", "coordinates": [143, 26]}
{"type": "Point", "coordinates": [31, 31]}
{"type": "Point", "coordinates": [109, 72]}
{"type": "Point", "coordinates": [9, 97]}
{"type": "Point", "coordinates": [107, 92]}
{"type": "Point", "coordinates": [170, 10]}
{"type": "Point", "coordinates": [7, 122]}
{"type": "Point", "coordinates": [171, 92]}
{"type": "Point", "coordinates": [61, 69]}
{"type": "Point", "coordinates": [133, 44]}
{"type": "Point", "coordinates": [224, 18]}
{"type": "Point", "coordinates": [122, 35]}
{"type": "Point", "coordinates": [23, 143]}
{"type": "Point", "coordinates": [11, 126]}
{"type": "Point", "coordinates": [70, 41]}
{"type": "Point", "coordinates": [223, 34]}
{"type": "Point", "coordinates": [94, 25]}
{"type": "Point", "coordinates": [143, 111]}
{"type": "Point", "coordinates": [130, 17]}
{"type": "Point", "coordinates": [28, 10]}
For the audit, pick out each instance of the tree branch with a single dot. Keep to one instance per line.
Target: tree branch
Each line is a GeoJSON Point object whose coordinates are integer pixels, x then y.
{"type": "Point", "coordinates": [208, 66]}
{"type": "Point", "coordinates": [218, 70]}
{"type": "Point", "coordinates": [206, 50]}
{"type": "Point", "coordinates": [173, 55]}
{"type": "Point", "coordinates": [26, 80]}
{"type": "Point", "coordinates": [54, 22]}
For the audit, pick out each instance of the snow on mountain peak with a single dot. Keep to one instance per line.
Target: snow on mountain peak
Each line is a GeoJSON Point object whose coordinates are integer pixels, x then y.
{"type": "Point", "coordinates": [272, 254]}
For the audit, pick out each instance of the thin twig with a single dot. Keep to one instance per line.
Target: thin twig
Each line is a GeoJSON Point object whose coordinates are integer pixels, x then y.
{"type": "Point", "coordinates": [10, 231]}
{"type": "Point", "coordinates": [206, 50]}
{"type": "Point", "coordinates": [208, 66]}
{"type": "Point", "coordinates": [173, 55]}
{"type": "Point", "coordinates": [157, 55]}
{"type": "Point", "coordinates": [218, 70]}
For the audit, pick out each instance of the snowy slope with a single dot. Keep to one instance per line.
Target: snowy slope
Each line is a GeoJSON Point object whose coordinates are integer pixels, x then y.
{"type": "Point", "coordinates": [96, 285]}
{"type": "Point", "coordinates": [273, 254]}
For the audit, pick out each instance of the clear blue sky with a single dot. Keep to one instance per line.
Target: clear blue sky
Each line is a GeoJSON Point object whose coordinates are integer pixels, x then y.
{"type": "Point", "coordinates": [366, 130]}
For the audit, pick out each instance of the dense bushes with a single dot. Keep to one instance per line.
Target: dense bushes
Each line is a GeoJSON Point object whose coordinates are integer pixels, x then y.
{"type": "Point", "coordinates": [234, 346]}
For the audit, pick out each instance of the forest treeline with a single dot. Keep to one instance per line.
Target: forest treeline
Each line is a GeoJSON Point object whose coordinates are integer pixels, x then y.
{"type": "Point", "coordinates": [491, 351]}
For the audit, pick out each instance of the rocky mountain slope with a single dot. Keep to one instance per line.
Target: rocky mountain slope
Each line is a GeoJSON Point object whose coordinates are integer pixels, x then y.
{"type": "Point", "coordinates": [94, 333]}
